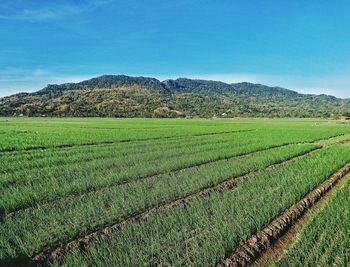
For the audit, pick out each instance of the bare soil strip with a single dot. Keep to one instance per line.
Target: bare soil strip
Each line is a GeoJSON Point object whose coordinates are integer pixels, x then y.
{"type": "Point", "coordinates": [278, 249]}
{"type": "Point", "coordinates": [339, 139]}
{"type": "Point", "coordinates": [250, 250]}
{"type": "Point", "coordinates": [82, 243]}
{"type": "Point", "coordinates": [148, 177]}
{"type": "Point", "coordinates": [33, 148]}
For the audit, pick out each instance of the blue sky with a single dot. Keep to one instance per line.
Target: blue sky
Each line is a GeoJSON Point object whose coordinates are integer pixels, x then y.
{"type": "Point", "coordinates": [301, 45]}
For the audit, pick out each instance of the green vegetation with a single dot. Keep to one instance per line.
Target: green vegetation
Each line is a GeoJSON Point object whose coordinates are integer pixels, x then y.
{"type": "Point", "coordinates": [67, 217]}
{"type": "Point", "coordinates": [66, 178]}
{"type": "Point", "coordinates": [324, 241]}
{"type": "Point", "coordinates": [200, 233]}
{"type": "Point", "coordinates": [124, 96]}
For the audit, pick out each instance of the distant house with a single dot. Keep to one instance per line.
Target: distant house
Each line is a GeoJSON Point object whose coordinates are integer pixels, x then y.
{"type": "Point", "coordinates": [345, 118]}
{"type": "Point", "coordinates": [224, 114]}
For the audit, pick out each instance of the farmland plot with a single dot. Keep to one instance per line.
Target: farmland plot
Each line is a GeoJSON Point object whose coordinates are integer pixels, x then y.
{"type": "Point", "coordinates": [131, 192]}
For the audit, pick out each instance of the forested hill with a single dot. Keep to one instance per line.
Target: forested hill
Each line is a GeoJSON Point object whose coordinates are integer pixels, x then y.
{"type": "Point", "coordinates": [124, 96]}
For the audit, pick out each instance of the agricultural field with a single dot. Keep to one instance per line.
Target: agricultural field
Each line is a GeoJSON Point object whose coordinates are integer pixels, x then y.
{"type": "Point", "coordinates": [174, 192]}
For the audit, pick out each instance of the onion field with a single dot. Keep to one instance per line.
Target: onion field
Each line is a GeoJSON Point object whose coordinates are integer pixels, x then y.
{"type": "Point", "coordinates": [174, 192]}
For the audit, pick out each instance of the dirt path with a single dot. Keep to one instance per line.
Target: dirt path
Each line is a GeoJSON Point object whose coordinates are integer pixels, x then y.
{"type": "Point", "coordinates": [339, 139]}
{"type": "Point", "coordinates": [252, 249]}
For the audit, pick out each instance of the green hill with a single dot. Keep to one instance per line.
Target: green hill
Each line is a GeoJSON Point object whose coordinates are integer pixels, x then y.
{"type": "Point", "coordinates": [125, 96]}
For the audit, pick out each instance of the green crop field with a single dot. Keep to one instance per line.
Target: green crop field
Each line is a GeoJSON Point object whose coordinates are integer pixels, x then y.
{"type": "Point", "coordinates": [171, 192]}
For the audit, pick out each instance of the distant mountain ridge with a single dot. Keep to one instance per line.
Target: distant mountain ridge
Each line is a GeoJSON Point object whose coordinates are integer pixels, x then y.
{"type": "Point", "coordinates": [126, 96]}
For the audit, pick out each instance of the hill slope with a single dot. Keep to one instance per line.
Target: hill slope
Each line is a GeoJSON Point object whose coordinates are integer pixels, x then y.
{"type": "Point", "coordinates": [124, 96]}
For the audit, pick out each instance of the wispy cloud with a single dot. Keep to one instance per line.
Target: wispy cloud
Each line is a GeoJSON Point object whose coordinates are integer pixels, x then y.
{"type": "Point", "coordinates": [50, 11]}
{"type": "Point", "coordinates": [42, 14]}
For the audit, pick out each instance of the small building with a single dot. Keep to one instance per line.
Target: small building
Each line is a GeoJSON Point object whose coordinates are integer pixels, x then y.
{"type": "Point", "coordinates": [345, 118]}
{"type": "Point", "coordinates": [224, 114]}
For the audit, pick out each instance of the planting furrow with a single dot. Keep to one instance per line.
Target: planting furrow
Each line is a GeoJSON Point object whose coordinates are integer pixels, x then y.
{"type": "Point", "coordinates": [330, 140]}
{"type": "Point", "coordinates": [53, 253]}
{"type": "Point", "coordinates": [174, 171]}
{"type": "Point", "coordinates": [343, 138]}
{"type": "Point", "coordinates": [250, 250]}
{"type": "Point", "coordinates": [33, 148]}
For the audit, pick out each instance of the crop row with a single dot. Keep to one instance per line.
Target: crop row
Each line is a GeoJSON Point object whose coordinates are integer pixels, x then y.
{"type": "Point", "coordinates": [109, 157]}
{"type": "Point", "coordinates": [250, 250]}
{"type": "Point", "coordinates": [80, 215]}
{"type": "Point", "coordinates": [43, 137]}
{"type": "Point", "coordinates": [68, 132]}
{"type": "Point", "coordinates": [51, 183]}
{"type": "Point", "coordinates": [110, 161]}
{"type": "Point", "coordinates": [203, 231]}
{"type": "Point", "coordinates": [324, 241]}
{"type": "Point", "coordinates": [134, 143]}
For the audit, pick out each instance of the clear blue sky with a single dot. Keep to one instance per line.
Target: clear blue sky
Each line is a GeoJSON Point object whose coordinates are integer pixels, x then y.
{"type": "Point", "coordinates": [301, 45]}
